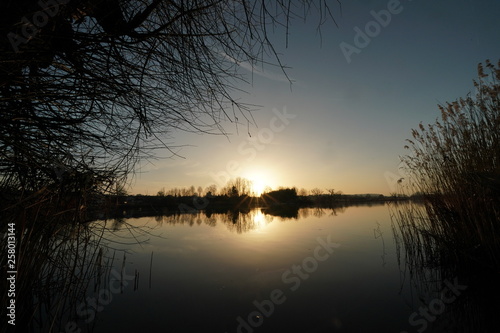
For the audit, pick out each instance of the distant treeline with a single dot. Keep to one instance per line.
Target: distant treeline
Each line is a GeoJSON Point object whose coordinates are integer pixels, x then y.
{"type": "Point", "coordinates": [273, 201]}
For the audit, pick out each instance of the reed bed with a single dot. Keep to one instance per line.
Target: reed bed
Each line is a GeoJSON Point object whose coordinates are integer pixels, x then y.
{"type": "Point", "coordinates": [455, 164]}
{"type": "Point", "coordinates": [453, 232]}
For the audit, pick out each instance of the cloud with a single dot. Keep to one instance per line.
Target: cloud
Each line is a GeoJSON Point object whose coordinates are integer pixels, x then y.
{"type": "Point", "coordinates": [273, 76]}
{"type": "Point", "coordinates": [168, 164]}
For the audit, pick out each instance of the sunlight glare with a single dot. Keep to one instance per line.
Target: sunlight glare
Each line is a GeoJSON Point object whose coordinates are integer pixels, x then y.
{"type": "Point", "coordinates": [259, 219]}
{"type": "Point", "coordinates": [258, 187]}
{"type": "Point", "coordinates": [260, 181]}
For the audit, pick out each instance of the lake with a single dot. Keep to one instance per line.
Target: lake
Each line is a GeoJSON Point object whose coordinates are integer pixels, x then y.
{"type": "Point", "coordinates": [323, 270]}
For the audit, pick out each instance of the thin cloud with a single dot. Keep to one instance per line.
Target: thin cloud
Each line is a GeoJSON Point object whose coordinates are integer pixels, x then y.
{"type": "Point", "coordinates": [278, 77]}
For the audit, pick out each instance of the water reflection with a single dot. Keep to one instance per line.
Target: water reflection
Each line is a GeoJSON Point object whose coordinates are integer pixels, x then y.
{"type": "Point", "coordinates": [103, 276]}
{"type": "Point", "coordinates": [379, 234]}
{"type": "Point", "coordinates": [160, 272]}
{"type": "Point", "coordinates": [235, 220]}
{"type": "Point", "coordinates": [239, 221]}
{"type": "Point", "coordinates": [454, 288]}
{"type": "Point", "coordinates": [67, 273]}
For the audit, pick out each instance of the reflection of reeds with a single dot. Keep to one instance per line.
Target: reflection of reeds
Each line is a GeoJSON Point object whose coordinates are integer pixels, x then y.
{"type": "Point", "coordinates": [52, 273]}
{"type": "Point", "coordinates": [377, 233]}
{"type": "Point", "coordinates": [428, 259]}
{"type": "Point", "coordinates": [58, 265]}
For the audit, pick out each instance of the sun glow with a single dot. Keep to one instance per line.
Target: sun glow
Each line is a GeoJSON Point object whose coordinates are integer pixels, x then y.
{"type": "Point", "coordinates": [258, 187]}
{"type": "Point", "coordinates": [260, 181]}
{"type": "Point", "coordinates": [259, 219]}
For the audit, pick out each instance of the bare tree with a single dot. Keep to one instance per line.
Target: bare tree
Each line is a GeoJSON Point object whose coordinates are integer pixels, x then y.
{"type": "Point", "coordinates": [238, 186]}
{"type": "Point", "coordinates": [211, 190]}
{"type": "Point", "coordinates": [243, 185]}
{"type": "Point", "coordinates": [161, 193]}
{"type": "Point", "coordinates": [89, 87]}
{"type": "Point", "coordinates": [316, 192]}
{"type": "Point", "coordinates": [331, 191]}
{"type": "Point", "coordinates": [191, 190]}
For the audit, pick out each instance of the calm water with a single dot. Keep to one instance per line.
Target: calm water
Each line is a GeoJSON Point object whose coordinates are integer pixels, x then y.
{"type": "Point", "coordinates": [317, 270]}
{"type": "Point", "coordinates": [325, 271]}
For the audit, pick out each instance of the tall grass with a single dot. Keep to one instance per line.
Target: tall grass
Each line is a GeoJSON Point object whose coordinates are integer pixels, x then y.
{"type": "Point", "coordinates": [453, 232]}
{"type": "Point", "coordinates": [455, 164]}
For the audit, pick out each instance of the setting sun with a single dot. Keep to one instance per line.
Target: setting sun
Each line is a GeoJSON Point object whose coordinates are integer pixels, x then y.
{"type": "Point", "coordinates": [260, 181]}
{"type": "Point", "coordinates": [258, 187]}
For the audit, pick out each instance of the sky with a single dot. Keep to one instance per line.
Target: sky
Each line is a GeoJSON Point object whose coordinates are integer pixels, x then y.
{"type": "Point", "coordinates": [354, 99]}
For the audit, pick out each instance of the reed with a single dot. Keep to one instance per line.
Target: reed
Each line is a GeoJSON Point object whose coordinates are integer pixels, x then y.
{"type": "Point", "coordinates": [455, 164]}
{"type": "Point", "coordinates": [453, 231]}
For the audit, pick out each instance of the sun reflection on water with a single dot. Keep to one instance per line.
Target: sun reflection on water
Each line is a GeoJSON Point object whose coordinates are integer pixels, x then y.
{"type": "Point", "coordinates": [259, 219]}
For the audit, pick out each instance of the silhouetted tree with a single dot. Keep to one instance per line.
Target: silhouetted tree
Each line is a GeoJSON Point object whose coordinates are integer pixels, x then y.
{"type": "Point", "coordinates": [211, 190]}
{"type": "Point", "coordinates": [88, 87]}
{"type": "Point", "coordinates": [316, 191]}
{"type": "Point", "coordinates": [119, 190]}
{"type": "Point", "coordinates": [233, 192]}
{"type": "Point", "coordinates": [283, 195]}
{"type": "Point", "coordinates": [243, 186]}
{"type": "Point", "coordinates": [191, 190]}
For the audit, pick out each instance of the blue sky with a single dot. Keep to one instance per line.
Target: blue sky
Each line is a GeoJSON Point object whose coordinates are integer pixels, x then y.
{"type": "Point", "coordinates": [347, 121]}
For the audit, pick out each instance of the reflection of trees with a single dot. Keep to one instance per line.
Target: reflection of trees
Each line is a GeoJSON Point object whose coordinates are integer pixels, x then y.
{"type": "Point", "coordinates": [241, 221]}
{"type": "Point", "coordinates": [238, 222]}
{"type": "Point", "coordinates": [432, 261]}
{"type": "Point", "coordinates": [268, 218]}
{"type": "Point", "coordinates": [235, 220]}
{"type": "Point", "coordinates": [159, 219]}
{"type": "Point", "coordinates": [337, 210]}
{"type": "Point", "coordinates": [304, 213]}
{"type": "Point", "coordinates": [318, 212]}
{"type": "Point", "coordinates": [211, 221]}
{"type": "Point", "coordinates": [198, 219]}
{"type": "Point", "coordinates": [282, 211]}
{"type": "Point", "coordinates": [182, 219]}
